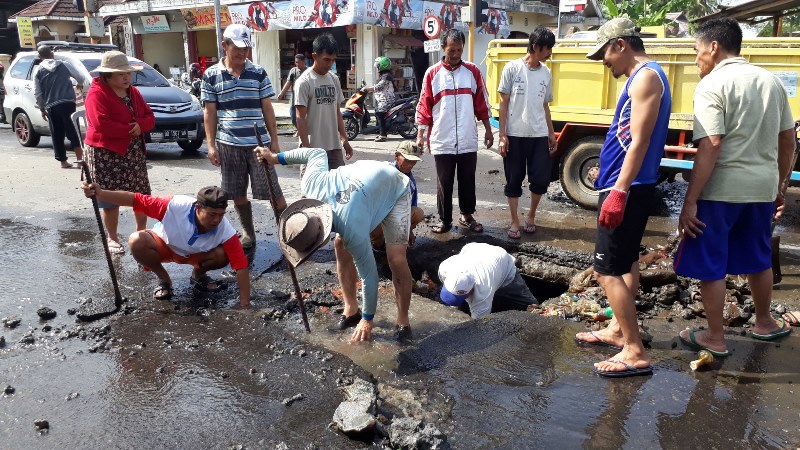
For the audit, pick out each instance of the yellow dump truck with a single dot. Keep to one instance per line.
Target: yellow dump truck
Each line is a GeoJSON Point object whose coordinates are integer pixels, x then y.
{"type": "Point", "coordinates": [585, 97]}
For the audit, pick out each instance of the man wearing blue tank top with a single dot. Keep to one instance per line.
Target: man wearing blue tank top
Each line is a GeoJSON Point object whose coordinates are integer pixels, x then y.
{"type": "Point", "coordinates": [629, 162]}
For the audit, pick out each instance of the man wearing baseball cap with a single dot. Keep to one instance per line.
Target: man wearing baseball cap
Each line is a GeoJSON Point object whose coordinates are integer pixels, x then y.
{"type": "Point", "coordinates": [405, 158]}
{"type": "Point", "coordinates": [190, 231]}
{"type": "Point", "coordinates": [486, 278]}
{"type": "Point", "coordinates": [629, 170]}
{"type": "Point", "coordinates": [235, 94]}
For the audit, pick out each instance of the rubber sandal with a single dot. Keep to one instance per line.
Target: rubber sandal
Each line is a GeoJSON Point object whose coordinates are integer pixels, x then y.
{"type": "Point", "coordinates": [514, 234]}
{"type": "Point", "coordinates": [599, 341]}
{"type": "Point", "coordinates": [694, 345]}
{"type": "Point", "coordinates": [784, 330]}
{"type": "Point", "coordinates": [201, 284]}
{"type": "Point", "coordinates": [629, 371]}
{"type": "Point", "coordinates": [471, 224]}
{"type": "Point", "coordinates": [115, 248]}
{"type": "Point", "coordinates": [442, 228]}
{"type": "Point", "coordinates": [166, 290]}
{"type": "Point", "coordinates": [529, 228]}
{"type": "Point", "coordinates": [792, 318]}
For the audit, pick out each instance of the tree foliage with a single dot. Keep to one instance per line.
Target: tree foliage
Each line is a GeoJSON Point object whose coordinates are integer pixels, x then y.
{"type": "Point", "coordinates": [653, 12]}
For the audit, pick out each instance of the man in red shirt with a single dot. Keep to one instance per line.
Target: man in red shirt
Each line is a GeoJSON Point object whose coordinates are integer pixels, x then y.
{"type": "Point", "coordinates": [190, 231]}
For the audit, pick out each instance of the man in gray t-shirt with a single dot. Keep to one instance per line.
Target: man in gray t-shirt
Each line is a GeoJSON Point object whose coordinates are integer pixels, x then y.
{"type": "Point", "coordinates": [526, 131]}
{"type": "Point", "coordinates": [291, 79]}
{"type": "Point", "coordinates": [318, 94]}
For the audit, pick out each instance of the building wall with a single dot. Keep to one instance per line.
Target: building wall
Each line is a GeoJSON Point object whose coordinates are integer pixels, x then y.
{"type": "Point", "coordinates": [518, 21]}
{"type": "Point", "coordinates": [164, 49]}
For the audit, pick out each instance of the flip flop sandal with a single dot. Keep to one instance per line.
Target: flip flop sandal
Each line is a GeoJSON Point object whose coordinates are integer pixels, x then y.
{"type": "Point", "coordinates": [792, 318]}
{"type": "Point", "coordinates": [165, 289]}
{"type": "Point", "coordinates": [784, 330]}
{"type": "Point", "coordinates": [629, 371]}
{"type": "Point", "coordinates": [529, 228]}
{"type": "Point", "coordinates": [471, 224]}
{"type": "Point", "coordinates": [442, 228]}
{"type": "Point", "coordinates": [201, 284]}
{"type": "Point", "coordinates": [599, 341]}
{"type": "Point", "coordinates": [514, 234]}
{"type": "Point", "coordinates": [694, 345]}
{"type": "Point", "coordinates": [115, 248]}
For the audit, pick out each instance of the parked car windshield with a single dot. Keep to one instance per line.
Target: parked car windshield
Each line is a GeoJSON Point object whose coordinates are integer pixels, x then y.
{"type": "Point", "coordinates": [145, 77]}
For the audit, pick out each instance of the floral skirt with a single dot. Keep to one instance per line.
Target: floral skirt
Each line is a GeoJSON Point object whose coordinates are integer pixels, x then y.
{"type": "Point", "coordinates": [116, 172]}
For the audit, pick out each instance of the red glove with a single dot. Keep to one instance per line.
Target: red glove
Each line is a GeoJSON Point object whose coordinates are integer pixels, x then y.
{"type": "Point", "coordinates": [613, 209]}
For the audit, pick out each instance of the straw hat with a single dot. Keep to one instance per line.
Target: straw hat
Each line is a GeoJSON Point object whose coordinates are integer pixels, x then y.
{"type": "Point", "coordinates": [114, 61]}
{"type": "Point", "coordinates": [305, 226]}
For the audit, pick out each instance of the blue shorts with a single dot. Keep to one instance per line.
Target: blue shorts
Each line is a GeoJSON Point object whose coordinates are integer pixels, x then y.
{"type": "Point", "coordinates": [735, 241]}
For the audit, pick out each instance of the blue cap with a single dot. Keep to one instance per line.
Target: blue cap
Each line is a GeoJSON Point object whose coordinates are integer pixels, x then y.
{"type": "Point", "coordinates": [450, 299]}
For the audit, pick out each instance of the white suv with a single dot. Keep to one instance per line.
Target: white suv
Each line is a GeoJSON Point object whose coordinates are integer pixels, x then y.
{"type": "Point", "coordinates": [179, 116]}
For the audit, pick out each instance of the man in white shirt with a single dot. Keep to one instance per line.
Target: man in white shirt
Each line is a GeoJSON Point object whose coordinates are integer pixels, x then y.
{"type": "Point", "coordinates": [486, 277]}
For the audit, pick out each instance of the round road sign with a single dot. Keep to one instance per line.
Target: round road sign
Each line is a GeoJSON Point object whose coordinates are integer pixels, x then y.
{"type": "Point", "coordinates": [431, 27]}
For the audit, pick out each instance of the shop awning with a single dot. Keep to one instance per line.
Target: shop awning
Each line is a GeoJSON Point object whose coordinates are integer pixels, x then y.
{"type": "Point", "coordinates": [403, 41]}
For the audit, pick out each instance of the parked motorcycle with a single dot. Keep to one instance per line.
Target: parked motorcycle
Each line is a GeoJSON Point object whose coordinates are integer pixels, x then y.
{"type": "Point", "coordinates": [399, 118]}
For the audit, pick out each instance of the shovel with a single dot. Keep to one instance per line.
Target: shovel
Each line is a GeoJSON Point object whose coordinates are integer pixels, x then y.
{"type": "Point", "coordinates": [297, 293]}
{"type": "Point", "coordinates": [91, 310]}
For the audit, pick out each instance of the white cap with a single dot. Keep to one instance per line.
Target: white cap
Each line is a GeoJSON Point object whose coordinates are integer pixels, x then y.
{"type": "Point", "coordinates": [239, 34]}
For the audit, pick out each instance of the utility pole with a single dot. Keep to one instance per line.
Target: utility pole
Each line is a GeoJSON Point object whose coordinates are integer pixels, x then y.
{"type": "Point", "coordinates": [471, 47]}
{"type": "Point", "coordinates": [218, 26]}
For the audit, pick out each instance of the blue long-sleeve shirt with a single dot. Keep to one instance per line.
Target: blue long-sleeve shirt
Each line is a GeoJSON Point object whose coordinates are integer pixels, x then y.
{"type": "Point", "coordinates": [361, 194]}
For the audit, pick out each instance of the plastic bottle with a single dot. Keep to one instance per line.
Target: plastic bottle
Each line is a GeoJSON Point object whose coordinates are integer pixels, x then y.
{"type": "Point", "coordinates": [704, 357]}
{"type": "Point", "coordinates": [600, 315]}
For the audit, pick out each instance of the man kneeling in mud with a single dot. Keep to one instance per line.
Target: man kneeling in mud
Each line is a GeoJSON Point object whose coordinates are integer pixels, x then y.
{"type": "Point", "coordinates": [189, 231]}
{"type": "Point", "coordinates": [486, 277]}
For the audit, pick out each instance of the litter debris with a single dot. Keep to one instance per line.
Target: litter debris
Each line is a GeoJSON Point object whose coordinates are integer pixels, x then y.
{"type": "Point", "coordinates": [704, 358]}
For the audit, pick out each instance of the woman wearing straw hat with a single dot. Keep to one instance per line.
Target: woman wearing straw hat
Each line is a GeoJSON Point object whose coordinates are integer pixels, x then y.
{"type": "Point", "coordinates": [116, 118]}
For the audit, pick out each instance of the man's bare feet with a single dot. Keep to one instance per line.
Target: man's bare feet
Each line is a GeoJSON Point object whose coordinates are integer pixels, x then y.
{"type": "Point", "coordinates": [66, 164]}
{"type": "Point", "coordinates": [617, 363]}
{"type": "Point", "coordinates": [702, 340]}
{"type": "Point", "coordinates": [605, 336]}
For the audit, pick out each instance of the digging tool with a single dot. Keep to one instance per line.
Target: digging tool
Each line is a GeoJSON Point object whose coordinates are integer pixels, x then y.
{"type": "Point", "coordinates": [277, 213]}
{"type": "Point", "coordinates": [91, 310]}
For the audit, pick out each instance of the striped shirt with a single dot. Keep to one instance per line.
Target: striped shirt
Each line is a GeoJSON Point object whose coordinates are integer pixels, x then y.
{"type": "Point", "coordinates": [238, 102]}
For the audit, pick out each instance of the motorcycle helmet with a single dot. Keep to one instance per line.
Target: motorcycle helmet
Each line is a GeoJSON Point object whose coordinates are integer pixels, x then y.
{"type": "Point", "coordinates": [382, 63]}
{"type": "Point", "coordinates": [194, 67]}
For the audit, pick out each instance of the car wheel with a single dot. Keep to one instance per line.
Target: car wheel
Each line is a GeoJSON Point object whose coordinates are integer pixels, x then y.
{"type": "Point", "coordinates": [23, 128]}
{"type": "Point", "coordinates": [191, 146]}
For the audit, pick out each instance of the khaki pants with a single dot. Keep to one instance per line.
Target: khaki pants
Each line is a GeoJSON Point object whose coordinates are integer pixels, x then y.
{"type": "Point", "coordinates": [417, 216]}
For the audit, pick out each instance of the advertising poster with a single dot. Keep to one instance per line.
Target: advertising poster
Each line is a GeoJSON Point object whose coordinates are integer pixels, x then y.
{"type": "Point", "coordinates": [203, 18]}
{"type": "Point", "coordinates": [25, 30]}
{"type": "Point", "coordinates": [496, 23]}
{"type": "Point", "coordinates": [401, 14]}
{"type": "Point", "coordinates": [449, 15]}
{"type": "Point", "coordinates": [263, 16]}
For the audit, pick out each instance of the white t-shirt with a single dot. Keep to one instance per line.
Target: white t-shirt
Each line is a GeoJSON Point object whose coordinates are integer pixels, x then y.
{"type": "Point", "coordinates": [491, 267]}
{"type": "Point", "coordinates": [528, 90]}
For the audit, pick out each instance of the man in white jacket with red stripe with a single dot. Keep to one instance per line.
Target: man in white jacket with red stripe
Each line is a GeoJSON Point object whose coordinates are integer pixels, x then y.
{"type": "Point", "coordinates": [453, 96]}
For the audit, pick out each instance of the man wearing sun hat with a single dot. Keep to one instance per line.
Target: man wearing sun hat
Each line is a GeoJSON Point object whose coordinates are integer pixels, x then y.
{"type": "Point", "coordinates": [360, 197]}
{"type": "Point", "coordinates": [486, 278]}
{"type": "Point", "coordinates": [405, 158]}
{"type": "Point", "coordinates": [191, 231]}
{"type": "Point", "coordinates": [629, 170]}
{"type": "Point", "coordinates": [235, 94]}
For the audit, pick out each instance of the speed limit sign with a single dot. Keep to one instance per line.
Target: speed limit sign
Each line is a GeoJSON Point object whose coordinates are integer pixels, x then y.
{"type": "Point", "coordinates": [431, 27]}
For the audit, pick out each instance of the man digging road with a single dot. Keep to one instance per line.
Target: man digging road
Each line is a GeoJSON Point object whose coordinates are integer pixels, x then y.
{"type": "Point", "coordinates": [189, 231]}
{"type": "Point", "coordinates": [236, 93]}
{"type": "Point", "coordinates": [629, 170]}
{"type": "Point", "coordinates": [486, 278]}
{"type": "Point", "coordinates": [361, 197]}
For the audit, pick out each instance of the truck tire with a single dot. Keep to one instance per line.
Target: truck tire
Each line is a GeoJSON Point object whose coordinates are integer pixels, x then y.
{"type": "Point", "coordinates": [23, 129]}
{"type": "Point", "coordinates": [351, 128]}
{"type": "Point", "coordinates": [579, 171]}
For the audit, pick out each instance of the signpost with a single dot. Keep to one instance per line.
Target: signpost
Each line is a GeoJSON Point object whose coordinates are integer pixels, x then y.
{"type": "Point", "coordinates": [431, 27]}
{"type": "Point", "coordinates": [25, 30]}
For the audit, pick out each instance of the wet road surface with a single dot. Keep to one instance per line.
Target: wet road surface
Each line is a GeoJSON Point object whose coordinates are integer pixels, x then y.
{"type": "Point", "coordinates": [196, 373]}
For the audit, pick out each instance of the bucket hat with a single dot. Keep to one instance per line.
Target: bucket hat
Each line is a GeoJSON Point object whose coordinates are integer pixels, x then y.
{"type": "Point", "coordinates": [613, 29]}
{"type": "Point", "coordinates": [114, 61]}
{"type": "Point", "coordinates": [409, 150]}
{"type": "Point", "coordinates": [305, 226]}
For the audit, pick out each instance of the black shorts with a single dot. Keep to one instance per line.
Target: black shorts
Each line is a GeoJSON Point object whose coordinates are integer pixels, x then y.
{"type": "Point", "coordinates": [531, 154]}
{"type": "Point", "coordinates": [616, 250]}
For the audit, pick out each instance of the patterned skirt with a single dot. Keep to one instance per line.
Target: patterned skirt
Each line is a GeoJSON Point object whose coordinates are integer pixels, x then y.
{"type": "Point", "coordinates": [116, 172]}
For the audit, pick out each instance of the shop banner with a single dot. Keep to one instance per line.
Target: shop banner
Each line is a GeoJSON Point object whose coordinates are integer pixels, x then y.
{"type": "Point", "coordinates": [155, 23]}
{"type": "Point", "coordinates": [25, 30]}
{"type": "Point", "coordinates": [296, 14]}
{"type": "Point", "coordinates": [402, 14]}
{"type": "Point", "coordinates": [496, 23]}
{"type": "Point", "coordinates": [449, 15]}
{"type": "Point", "coordinates": [203, 18]}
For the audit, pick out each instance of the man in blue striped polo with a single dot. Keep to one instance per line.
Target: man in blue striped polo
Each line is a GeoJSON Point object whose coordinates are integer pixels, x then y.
{"type": "Point", "coordinates": [236, 93]}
